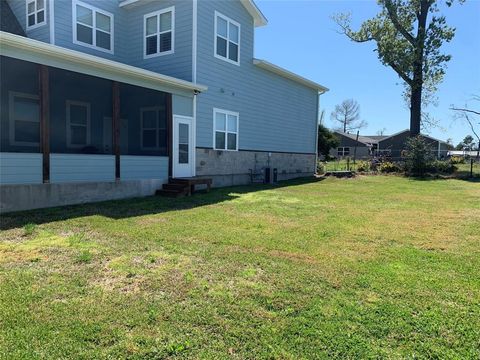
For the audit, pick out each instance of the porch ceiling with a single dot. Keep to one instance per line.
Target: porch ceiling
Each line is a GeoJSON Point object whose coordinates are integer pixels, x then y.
{"type": "Point", "coordinates": [42, 53]}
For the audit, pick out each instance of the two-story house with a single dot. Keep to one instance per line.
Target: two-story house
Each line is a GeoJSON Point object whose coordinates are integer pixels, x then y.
{"type": "Point", "coordinates": [109, 99]}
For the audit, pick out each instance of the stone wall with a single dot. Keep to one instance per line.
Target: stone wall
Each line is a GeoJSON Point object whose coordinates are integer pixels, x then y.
{"type": "Point", "coordinates": [228, 168]}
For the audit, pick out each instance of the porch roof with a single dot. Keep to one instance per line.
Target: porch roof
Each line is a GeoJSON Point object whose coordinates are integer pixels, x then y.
{"type": "Point", "coordinates": [22, 48]}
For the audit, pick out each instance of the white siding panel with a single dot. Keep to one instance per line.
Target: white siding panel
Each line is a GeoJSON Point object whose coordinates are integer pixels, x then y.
{"type": "Point", "coordinates": [80, 168]}
{"type": "Point", "coordinates": [143, 167]}
{"type": "Point", "coordinates": [20, 168]}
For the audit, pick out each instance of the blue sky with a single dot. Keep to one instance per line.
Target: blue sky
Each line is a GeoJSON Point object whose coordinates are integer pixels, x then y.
{"type": "Point", "coordinates": [301, 37]}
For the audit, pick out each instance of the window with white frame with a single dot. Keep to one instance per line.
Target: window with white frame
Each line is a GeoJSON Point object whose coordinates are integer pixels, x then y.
{"type": "Point", "coordinates": [78, 124]}
{"type": "Point", "coordinates": [24, 116]}
{"type": "Point", "coordinates": [153, 129]}
{"type": "Point", "coordinates": [159, 32]}
{"type": "Point", "coordinates": [227, 39]}
{"type": "Point", "coordinates": [92, 27]}
{"type": "Point", "coordinates": [35, 13]}
{"type": "Point", "coordinates": [343, 151]}
{"type": "Point", "coordinates": [225, 130]}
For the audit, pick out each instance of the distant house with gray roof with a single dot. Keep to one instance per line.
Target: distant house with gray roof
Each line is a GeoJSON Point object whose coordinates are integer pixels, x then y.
{"type": "Point", "coordinates": [366, 146]}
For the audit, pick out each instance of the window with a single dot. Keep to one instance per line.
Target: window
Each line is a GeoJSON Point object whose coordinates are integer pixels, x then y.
{"type": "Point", "coordinates": [225, 130]}
{"type": "Point", "coordinates": [24, 115]}
{"type": "Point", "coordinates": [154, 129]}
{"type": "Point", "coordinates": [92, 27]}
{"type": "Point", "coordinates": [343, 151]}
{"type": "Point", "coordinates": [227, 39]}
{"type": "Point", "coordinates": [35, 13]}
{"type": "Point", "coordinates": [78, 124]}
{"type": "Point", "coordinates": [159, 32]}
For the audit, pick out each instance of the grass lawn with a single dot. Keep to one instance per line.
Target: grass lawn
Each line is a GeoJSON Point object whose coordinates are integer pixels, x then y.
{"type": "Point", "coordinates": [373, 267]}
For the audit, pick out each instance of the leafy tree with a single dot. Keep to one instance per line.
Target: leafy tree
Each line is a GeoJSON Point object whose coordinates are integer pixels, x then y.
{"type": "Point", "coordinates": [418, 156]}
{"type": "Point", "coordinates": [326, 141]}
{"type": "Point", "coordinates": [409, 41]}
{"type": "Point", "coordinates": [348, 115]}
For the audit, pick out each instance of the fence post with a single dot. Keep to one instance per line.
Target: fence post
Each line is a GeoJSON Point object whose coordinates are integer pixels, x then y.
{"type": "Point", "coordinates": [471, 167]}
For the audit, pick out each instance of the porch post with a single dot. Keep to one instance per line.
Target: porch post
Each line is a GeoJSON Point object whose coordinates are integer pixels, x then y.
{"type": "Point", "coordinates": [169, 114]}
{"type": "Point", "coordinates": [44, 90]}
{"type": "Point", "coordinates": [116, 126]}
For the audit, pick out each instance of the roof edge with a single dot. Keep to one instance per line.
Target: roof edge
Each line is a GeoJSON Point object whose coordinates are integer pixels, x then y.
{"type": "Point", "coordinates": [289, 75]}
{"type": "Point", "coordinates": [258, 18]}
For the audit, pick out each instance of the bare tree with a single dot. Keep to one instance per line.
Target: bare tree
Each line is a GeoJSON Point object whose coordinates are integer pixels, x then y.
{"type": "Point", "coordinates": [472, 118]}
{"type": "Point", "coordinates": [348, 115]}
{"type": "Point", "coordinates": [381, 132]}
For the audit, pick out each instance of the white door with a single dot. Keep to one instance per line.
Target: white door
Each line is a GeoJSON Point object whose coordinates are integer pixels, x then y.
{"type": "Point", "coordinates": [183, 147]}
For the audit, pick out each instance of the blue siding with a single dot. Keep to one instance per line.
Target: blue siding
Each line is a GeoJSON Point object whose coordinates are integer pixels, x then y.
{"type": "Point", "coordinates": [178, 64]}
{"type": "Point", "coordinates": [80, 167]}
{"type": "Point", "coordinates": [276, 114]}
{"type": "Point", "coordinates": [143, 167]}
{"type": "Point", "coordinates": [182, 105]}
{"type": "Point", "coordinates": [20, 168]}
{"type": "Point", "coordinates": [41, 33]}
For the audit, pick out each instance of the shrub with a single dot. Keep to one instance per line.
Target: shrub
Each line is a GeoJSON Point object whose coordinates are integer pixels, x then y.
{"type": "Point", "coordinates": [418, 156]}
{"type": "Point", "coordinates": [457, 160]}
{"type": "Point", "coordinates": [389, 167]}
{"type": "Point", "coordinates": [443, 167]}
{"type": "Point", "coordinates": [363, 166]}
{"type": "Point", "coordinates": [320, 167]}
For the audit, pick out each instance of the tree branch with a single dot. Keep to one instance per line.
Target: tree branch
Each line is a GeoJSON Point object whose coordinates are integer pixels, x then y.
{"type": "Point", "coordinates": [393, 16]}
{"type": "Point", "coordinates": [400, 73]}
{"type": "Point", "coordinates": [467, 110]}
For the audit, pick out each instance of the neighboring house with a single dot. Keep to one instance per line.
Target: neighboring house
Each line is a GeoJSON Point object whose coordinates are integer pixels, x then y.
{"type": "Point", "coordinates": [389, 145]}
{"type": "Point", "coordinates": [109, 99]}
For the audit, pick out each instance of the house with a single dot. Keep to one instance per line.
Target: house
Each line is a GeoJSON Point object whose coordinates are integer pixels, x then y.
{"type": "Point", "coordinates": [114, 98]}
{"type": "Point", "coordinates": [388, 145]}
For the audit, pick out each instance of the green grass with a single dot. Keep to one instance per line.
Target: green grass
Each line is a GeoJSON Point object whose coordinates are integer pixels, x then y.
{"type": "Point", "coordinates": [372, 267]}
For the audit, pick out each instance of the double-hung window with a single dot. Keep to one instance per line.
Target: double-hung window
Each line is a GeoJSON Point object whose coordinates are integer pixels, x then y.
{"type": "Point", "coordinates": [227, 39]}
{"type": "Point", "coordinates": [35, 13]}
{"type": "Point", "coordinates": [24, 114]}
{"type": "Point", "coordinates": [159, 32]}
{"type": "Point", "coordinates": [225, 130]}
{"type": "Point", "coordinates": [78, 124]}
{"type": "Point", "coordinates": [92, 27]}
{"type": "Point", "coordinates": [343, 151]}
{"type": "Point", "coordinates": [154, 129]}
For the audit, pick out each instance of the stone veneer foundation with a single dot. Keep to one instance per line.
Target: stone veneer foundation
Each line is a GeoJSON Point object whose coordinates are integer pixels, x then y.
{"type": "Point", "coordinates": [228, 168]}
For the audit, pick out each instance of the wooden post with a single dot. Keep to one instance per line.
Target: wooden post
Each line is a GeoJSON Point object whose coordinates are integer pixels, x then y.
{"type": "Point", "coordinates": [169, 114]}
{"type": "Point", "coordinates": [44, 90]}
{"type": "Point", "coordinates": [116, 126]}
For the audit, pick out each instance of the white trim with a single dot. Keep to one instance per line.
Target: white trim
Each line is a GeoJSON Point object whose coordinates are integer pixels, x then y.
{"type": "Point", "coordinates": [93, 27]}
{"type": "Point", "coordinates": [11, 120]}
{"type": "Point", "coordinates": [194, 40]}
{"type": "Point", "coordinates": [158, 33]}
{"type": "Point", "coordinates": [226, 112]}
{"type": "Point", "coordinates": [35, 13]}
{"type": "Point", "coordinates": [51, 8]}
{"type": "Point", "coordinates": [157, 129]}
{"type": "Point", "coordinates": [23, 48]}
{"type": "Point", "coordinates": [68, 105]}
{"type": "Point", "coordinates": [228, 20]}
{"type": "Point", "coordinates": [194, 130]}
{"type": "Point", "coordinates": [289, 75]}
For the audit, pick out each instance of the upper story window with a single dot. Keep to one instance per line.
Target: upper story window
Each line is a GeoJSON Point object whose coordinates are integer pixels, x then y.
{"type": "Point", "coordinates": [159, 32]}
{"type": "Point", "coordinates": [227, 39]}
{"type": "Point", "coordinates": [35, 13]}
{"type": "Point", "coordinates": [225, 129]}
{"type": "Point", "coordinates": [92, 27]}
{"type": "Point", "coordinates": [24, 114]}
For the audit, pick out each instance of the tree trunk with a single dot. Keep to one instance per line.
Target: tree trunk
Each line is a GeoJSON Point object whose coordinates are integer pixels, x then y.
{"type": "Point", "coordinates": [415, 110]}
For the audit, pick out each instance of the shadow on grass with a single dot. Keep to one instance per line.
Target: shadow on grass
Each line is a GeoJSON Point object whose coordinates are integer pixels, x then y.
{"type": "Point", "coordinates": [457, 176]}
{"type": "Point", "coordinates": [119, 209]}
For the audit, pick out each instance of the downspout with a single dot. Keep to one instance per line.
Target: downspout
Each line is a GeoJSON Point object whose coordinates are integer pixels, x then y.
{"type": "Point", "coordinates": [194, 40]}
{"type": "Point", "coordinates": [316, 129]}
